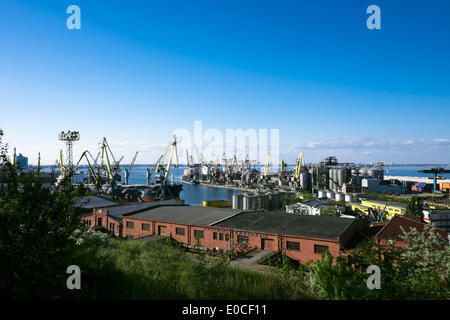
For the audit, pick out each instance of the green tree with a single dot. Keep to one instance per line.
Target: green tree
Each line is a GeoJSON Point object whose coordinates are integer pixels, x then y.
{"type": "Point", "coordinates": [329, 211]}
{"type": "Point", "coordinates": [418, 271]}
{"type": "Point", "coordinates": [414, 207]}
{"type": "Point", "coordinates": [37, 222]}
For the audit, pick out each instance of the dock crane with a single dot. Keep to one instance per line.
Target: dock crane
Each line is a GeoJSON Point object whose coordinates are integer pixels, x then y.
{"type": "Point", "coordinates": [299, 166]}
{"type": "Point", "coordinates": [435, 172]}
{"type": "Point", "coordinates": [201, 158]}
{"type": "Point", "coordinates": [61, 164]}
{"type": "Point", "coordinates": [267, 165]}
{"type": "Point", "coordinates": [111, 168]}
{"type": "Point", "coordinates": [128, 171]}
{"type": "Point", "coordinates": [161, 173]}
{"type": "Point", "coordinates": [173, 146]}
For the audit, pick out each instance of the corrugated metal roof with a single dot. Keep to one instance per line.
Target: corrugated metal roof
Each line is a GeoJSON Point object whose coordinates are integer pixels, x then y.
{"type": "Point", "coordinates": [187, 214]}
{"type": "Point", "coordinates": [324, 227]}
{"type": "Point", "coordinates": [95, 202]}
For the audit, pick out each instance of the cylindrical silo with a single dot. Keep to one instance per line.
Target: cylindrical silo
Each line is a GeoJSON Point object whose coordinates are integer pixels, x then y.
{"type": "Point", "coordinates": [341, 178]}
{"type": "Point", "coordinates": [339, 197]}
{"type": "Point", "coordinates": [321, 194]}
{"type": "Point", "coordinates": [330, 195]}
{"type": "Point", "coordinates": [330, 181]}
{"type": "Point", "coordinates": [348, 197]}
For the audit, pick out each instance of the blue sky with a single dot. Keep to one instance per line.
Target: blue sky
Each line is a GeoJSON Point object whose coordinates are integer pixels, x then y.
{"type": "Point", "coordinates": [137, 70]}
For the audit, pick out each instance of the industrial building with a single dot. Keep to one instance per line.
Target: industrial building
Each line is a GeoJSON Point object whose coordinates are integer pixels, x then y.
{"type": "Point", "coordinates": [439, 218]}
{"type": "Point", "coordinates": [390, 209]}
{"type": "Point", "coordinates": [313, 207]}
{"type": "Point", "coordinates": [391, 233]}
{"type": "Point", "coordinates": [22, 161]}
{"type": "Point", "coordinates": [302, 238]}
{"type": "Point", "coordinates": [110, 217]}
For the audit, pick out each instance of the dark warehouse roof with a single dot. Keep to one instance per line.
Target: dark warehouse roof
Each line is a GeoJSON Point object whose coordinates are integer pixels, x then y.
{"type": "Point", "coordinates": [95, 202]}
{"type": "Point", "coordinates": [187, 214]}
{"type": "Point", "coordinates": [133, 208]}
{"type": "Point", "coordinates": [289, 224]}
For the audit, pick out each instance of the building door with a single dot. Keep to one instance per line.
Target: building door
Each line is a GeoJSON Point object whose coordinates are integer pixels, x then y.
{"type": "Point", "coordinates": [99, 222]}
{"type": "Point", "coordinates": [266, 244]}
{"type": "Point", "coordinates": [162, 230]}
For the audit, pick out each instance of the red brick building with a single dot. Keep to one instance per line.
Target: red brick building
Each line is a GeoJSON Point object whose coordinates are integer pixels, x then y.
{"type": "Point", "coordinates": [391, 233]}
{"type": "Point", "coordinates": [300, 237]}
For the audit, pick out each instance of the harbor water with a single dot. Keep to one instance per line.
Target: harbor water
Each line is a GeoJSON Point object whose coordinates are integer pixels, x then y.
{"type": "Point", "coordinates": [195, 194]}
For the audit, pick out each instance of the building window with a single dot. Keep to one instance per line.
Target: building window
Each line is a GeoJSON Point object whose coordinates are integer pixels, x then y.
{"type": "Point", "coordinates": [320, 249]}
{"type": "Point", "coordinates": [198, 234]}
{"type": "Point", "coordinates": [221, 236]}
{"type": "Point", "coordinates": [227, 237]}
{"type": "Point", "coordinates": [242, 239]}
{"type": "Point", "coordinates": [179, 231]}
{"type": "Point", "coordinates": [146, 226]}
{"type": "Point", "coordinates": [111, 226]}
{"type": "Point", "coordinates": [99, 222]}
{"type": "Point", "coordinates": [214, 235]}
{"type": "Point", "coordinates": [293, 245]}
{"type": "Point", "coordinates": [130, 224]}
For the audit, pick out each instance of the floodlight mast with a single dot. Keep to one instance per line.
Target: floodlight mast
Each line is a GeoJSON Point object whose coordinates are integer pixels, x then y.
{"type": "Point", "coordinates": [69, 137]}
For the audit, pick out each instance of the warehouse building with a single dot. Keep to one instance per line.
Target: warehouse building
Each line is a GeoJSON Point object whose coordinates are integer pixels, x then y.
{"type": "Point", "coordinates": [110, 218]}
{"type": "Point", "coordinates": [302, 238]}
{"type": "Point", "coordinates": [392, 232]}
{"type": "Point", "coordinates": [439, 218]}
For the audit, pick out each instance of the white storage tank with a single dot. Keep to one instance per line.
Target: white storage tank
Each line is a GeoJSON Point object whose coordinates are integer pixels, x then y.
{"type": "Point", "coordinates": [339, 197]}
{"type": "Point", "coordinates": [321, 194]}
{"type": "Point", "coordinates": [330, 195]}
{"type": "Point", "coordinates": [348, 197]}
{"type": "Point", "coordinates": [237, 201]}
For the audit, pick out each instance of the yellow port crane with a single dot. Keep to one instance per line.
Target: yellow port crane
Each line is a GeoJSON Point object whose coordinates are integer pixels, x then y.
{"type": "Point", "coordinates": [92, 168]}
{"type": "Point", "coordinates": [61, 164]}
{"type": "Point", "coordinates": [173, 148]}
{"type": "Point", "coordinates": [282, 166]}
{"type": "Point", "coordinates": [267, 165]}
{"type": "Point", "coordinates": [300, 164]}
{"type": "Point", "coordinates": [159, 166]}
{"type": "Point", "coordinates": [111, 168]}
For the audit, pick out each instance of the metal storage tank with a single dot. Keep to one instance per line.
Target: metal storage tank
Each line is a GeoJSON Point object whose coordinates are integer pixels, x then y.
{"type": "Point", "coordinates": [339, 197]}
{"type": "Point", "coordinates": [245, 201]}
{"type": "Point", "coordinates": [237, 201]}
{"type": "Point", "coordinates": [330, 195]}
{"type": "Point", "coordinates": [348, 197]}
{"type": "Point", "coordinates": [330, 183]}
{"type": "Point", "coordinates": [305, 180]}
{"type": "Point", "coordinates": [321, 194]}
{"type": "Point", "coordinates": [336, 179]}
{"type": "Point", "coordinates": [264, 200]}
{"type": "Point", "coordinates": [274, 202]}
{"type": "Point", "coordinates": [341, 176]}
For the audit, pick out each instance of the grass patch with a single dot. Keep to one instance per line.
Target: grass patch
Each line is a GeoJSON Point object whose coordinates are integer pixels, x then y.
{"type": "Point", "coordinates": [131, 269]}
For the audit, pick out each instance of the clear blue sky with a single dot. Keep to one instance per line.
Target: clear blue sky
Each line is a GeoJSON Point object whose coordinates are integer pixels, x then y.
{"type": "Point", "coordinates": [137, 70]}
